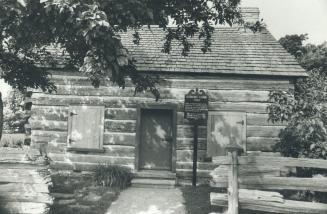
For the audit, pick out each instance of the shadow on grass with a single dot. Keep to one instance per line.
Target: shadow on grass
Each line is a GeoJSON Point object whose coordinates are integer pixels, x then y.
{"type": "Point", "coordinates": [197, 200]}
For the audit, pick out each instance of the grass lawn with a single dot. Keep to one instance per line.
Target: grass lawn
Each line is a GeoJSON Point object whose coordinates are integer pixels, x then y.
{"type": "Point", "coordinates": [76, 193]}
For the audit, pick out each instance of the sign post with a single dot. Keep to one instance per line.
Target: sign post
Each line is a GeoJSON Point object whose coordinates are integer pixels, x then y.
{"type": "Point", "coordinates": [196, 110]}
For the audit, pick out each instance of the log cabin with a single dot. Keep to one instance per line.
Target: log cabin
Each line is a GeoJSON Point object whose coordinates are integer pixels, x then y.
{"type": "Point", "coordinates": [81, 126]}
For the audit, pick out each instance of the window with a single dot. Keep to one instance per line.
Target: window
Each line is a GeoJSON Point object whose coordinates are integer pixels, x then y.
{"type": "Point", "coordinates": [225, 128]}
{"type": "Point", "coordinates": [85, 128]}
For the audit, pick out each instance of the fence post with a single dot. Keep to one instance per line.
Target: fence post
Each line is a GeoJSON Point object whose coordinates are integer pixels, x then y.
{"type": "Point", "coordinates": [232, 153]}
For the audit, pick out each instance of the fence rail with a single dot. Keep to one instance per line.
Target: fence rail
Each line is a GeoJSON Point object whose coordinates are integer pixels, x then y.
{"type": "Point", "coordinates": [273, 161]}
{"type": "Point", "coordinates": [268, 202]}
{"type": "Point", "coordinates": [256, 172]}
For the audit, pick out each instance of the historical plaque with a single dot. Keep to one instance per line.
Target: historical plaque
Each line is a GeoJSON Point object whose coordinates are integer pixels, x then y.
{"type": "Point", "coordinates": [195, 110]}
{"type": "Point", "coordinates": [196, 105]}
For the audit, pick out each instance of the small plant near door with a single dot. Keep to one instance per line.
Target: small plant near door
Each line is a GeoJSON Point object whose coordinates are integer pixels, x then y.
{"type": "Point", "coordinates": [77, 193]}
{"type": "Point", "coordinates": [113, 176]}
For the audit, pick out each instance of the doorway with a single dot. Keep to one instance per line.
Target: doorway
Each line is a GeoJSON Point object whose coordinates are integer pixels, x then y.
{"type": "Point", "coordinates": [156, 146]}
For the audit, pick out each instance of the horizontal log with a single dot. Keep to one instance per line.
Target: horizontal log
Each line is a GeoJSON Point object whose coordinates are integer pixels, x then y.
{"type": "Point", "coordinates": [257, 160]}
{"type": "Point", "coordinates": [57, 138]}
{"type": "Point", "coordinates": [238, 96]}
{"type": "Point", "coordinates": [127, 126]}
{"type": "Point", "coordinates": [261, 120]}
{"type": "Point", "coordinates": [288, 183]}
{"type": "Point", "coordinates": [225, 83]}
{"type": "Point", "coordinates": [188, 181]}
{"type": "Point", "coordinates": [8, 150]}
{"type": "Point", "coordinates": [55, 147]}
{"type": "Point", "coordinates": [25, 197]}
{"type": "Point", "coordinates": [187, 143]}
{"type": "Point", "coordinates": [114, 91]}
{"type": "Point", "coordinates": [5, 157]}
{"type": "Point", "coordinates": [83, 166]}
{"type": "Point", "coordinates": [26, 179]}
{"type": "Point", "coordinates": [110, 102]}
{"type": "Point", "coordinates": [24, 207]}
{"type": "Point", "coordinates": [263, 131]}
{"type": "Point", "coordinates": [133, 102]}
{"type": "Point", "coordinates": [253, 119]}
{"type": "Point", "coordinates": [109, 150]}
{"type": "Point", "coordinates": [221, 172]}
{"type": "Point", "coordinates": [41, 136]}
{"type": "Point", "coordinates": [187, 173]}
{"type": "Point", "coordinates": [68, 79]}
{"type": "Point", "coordinates": [269, 203]}
{"type": "Point", "coordinates": [186, 131]}
{"type": "Point", "coordinates": [219, 176]}
{"type": "Point", "coordinates": [285, 161]}
{"type": "Point", "coordinates": [58, 113]}
{"type": "Point", "coordinates": [92, 91]}
{"type": "Point", "coordinates": [110, 125]}
{"type": "Point", "coordinates": [119, 138]}
{"type": "Point", "coordinates": [121, 113]}
{"type": "Point", "coordinates": [275, 183]}
{"type": "Point", "coordinates": [27, 165]}
{"type": "Point", "coordinates": [48, 125]}
{"type": "Point", "coordinates": [200, 165]}
{"type": "Point", "coordinates": [263, 144]}
{"type": "Point", "coordinates": [187, 155]}
{"type": "Point", "coordinates": [165, 93]}
{"type": "Point", "coordinates": [18, 187]}
{"type": "Point", "coordinates": [258, 195]}
{"type": "Point", "coordinates": [190, 82]}
{"type": "Point", "coordinates": [17, 171]}
{"type": "Point", "coordinates": [91, 158]}
{"type": "Point", "coordinates": [119, 150]}
{"type": "Point", "coordinates": [250, 107]}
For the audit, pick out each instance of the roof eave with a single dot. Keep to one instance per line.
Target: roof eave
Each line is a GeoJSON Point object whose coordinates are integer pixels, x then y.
{"type": "Point", "coordinates": [293, 74]}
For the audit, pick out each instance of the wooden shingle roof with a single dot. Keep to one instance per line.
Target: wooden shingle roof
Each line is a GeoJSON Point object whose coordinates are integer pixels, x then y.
{"type": "Point", "coordinates": [234, 50]}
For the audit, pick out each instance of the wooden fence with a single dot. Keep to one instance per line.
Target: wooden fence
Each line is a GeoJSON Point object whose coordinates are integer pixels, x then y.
{"type": "Point", "coordinates": [254, 173]}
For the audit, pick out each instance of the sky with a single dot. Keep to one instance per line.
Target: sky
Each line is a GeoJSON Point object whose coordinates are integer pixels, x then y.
{"type": "Point", "coordinates": [283, 17]}
{"type": "Point", "coordinates": [294, 17]}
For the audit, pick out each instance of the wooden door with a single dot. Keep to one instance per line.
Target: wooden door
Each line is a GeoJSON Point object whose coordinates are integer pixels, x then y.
{"type": "Point", "coordinates": [155, 150]}
{"type": "Point", "coordinates": [225, 128]}
{"type": "Point", "coordinates": [85, 130]}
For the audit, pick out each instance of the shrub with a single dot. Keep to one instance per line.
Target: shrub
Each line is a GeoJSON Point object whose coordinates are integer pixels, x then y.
{"type": "Point", "coordinates": [113, 176]}
{"type": "Point", "coordinates": [305, 111]}
{"type": "Point", "coordinates": [14, 113]}
{"type": "Point", "coordinates": [305, 135]}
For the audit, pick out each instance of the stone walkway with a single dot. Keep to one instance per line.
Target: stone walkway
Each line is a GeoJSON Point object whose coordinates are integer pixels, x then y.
{"type": "Point", "coordinates": [23, 190]}
{"type": "Point", "coordinates": [149, 201]}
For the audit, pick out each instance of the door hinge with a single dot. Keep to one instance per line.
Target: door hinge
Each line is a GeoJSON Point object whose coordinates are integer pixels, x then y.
{"type": "Point", "coordinates": [70, 141]}
{"type": "Point", "coordinates": [241, 122]}
{"type": "Point", "coordinates": [73, 114]}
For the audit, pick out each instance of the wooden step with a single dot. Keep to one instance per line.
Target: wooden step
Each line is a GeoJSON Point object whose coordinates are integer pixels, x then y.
{"type": "Point", "coordinates": [153, 183]}
{"type": "Point", "coordinates": [155, 174]}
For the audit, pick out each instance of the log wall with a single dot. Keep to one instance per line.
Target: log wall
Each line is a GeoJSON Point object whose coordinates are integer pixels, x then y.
{"type": "Point", "coordinates": [50, 112]}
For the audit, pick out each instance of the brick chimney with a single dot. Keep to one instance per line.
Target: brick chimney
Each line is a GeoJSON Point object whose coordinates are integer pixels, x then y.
{"type": "Point", "coordinates": [250, 14]}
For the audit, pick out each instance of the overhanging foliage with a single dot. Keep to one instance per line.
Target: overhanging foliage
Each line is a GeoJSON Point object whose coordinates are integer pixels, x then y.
{"type": "Point", "coordinates": [89, 31]}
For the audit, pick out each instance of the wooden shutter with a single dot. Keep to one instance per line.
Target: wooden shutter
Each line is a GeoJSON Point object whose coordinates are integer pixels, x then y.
{"type": "Point", "coordinates": [223, 129]}
{"type": "Point", "coordinates": [85, 129]}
